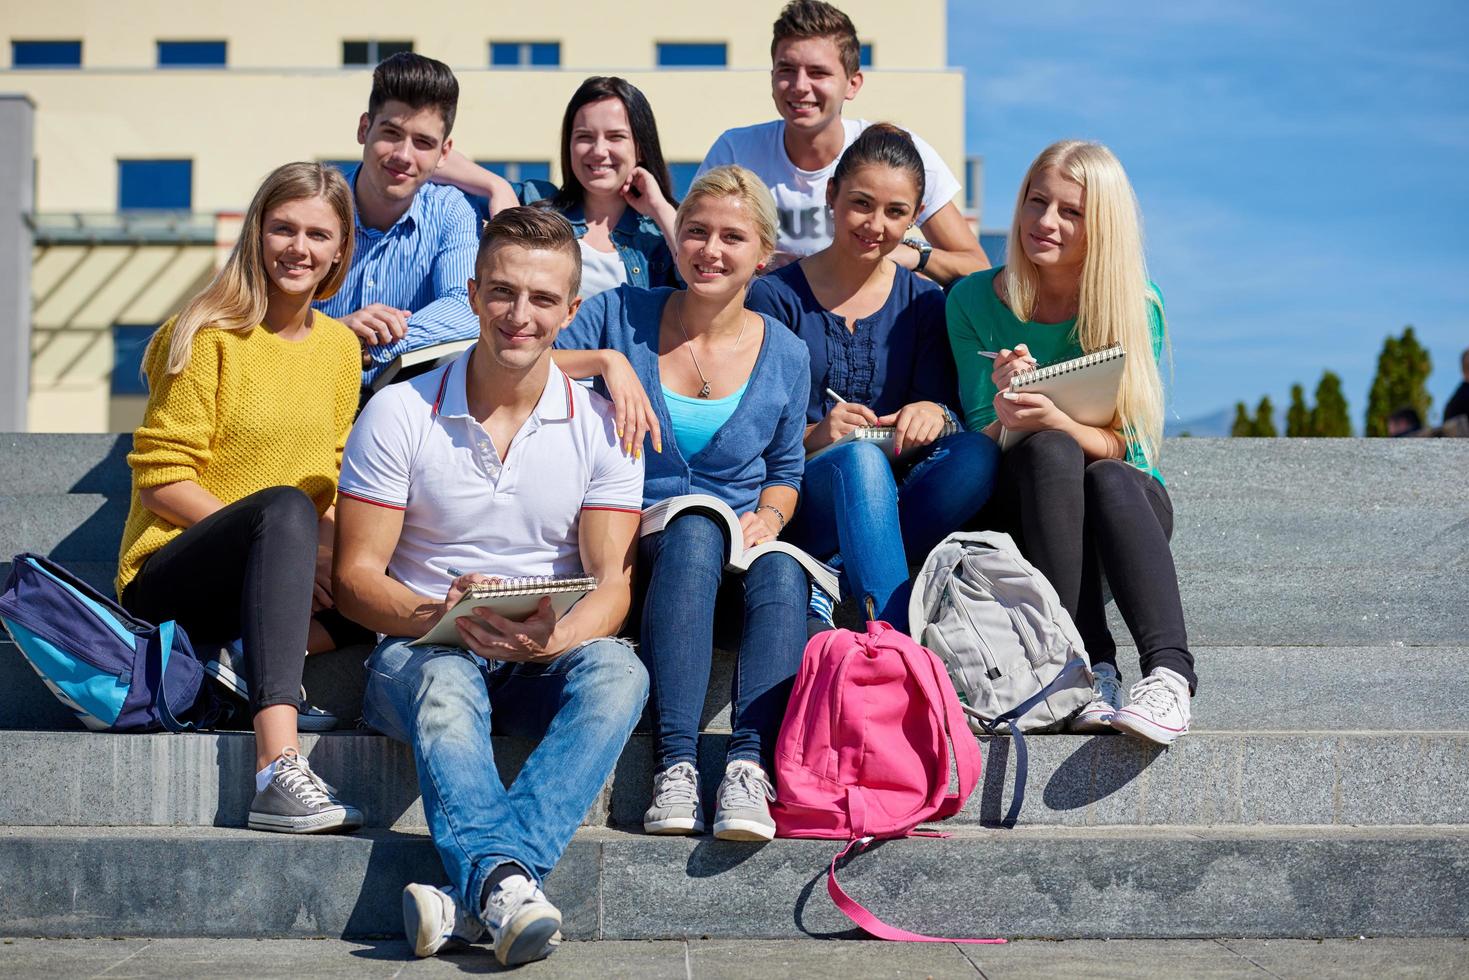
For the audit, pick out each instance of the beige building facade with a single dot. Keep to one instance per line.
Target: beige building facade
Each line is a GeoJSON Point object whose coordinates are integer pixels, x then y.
{"type": "Point", "coordinates": [284, 93]}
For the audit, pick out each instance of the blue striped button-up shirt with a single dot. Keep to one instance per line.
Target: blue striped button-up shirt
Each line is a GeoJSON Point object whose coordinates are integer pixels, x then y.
{"type": "Point", "coordinates": [422, 263]}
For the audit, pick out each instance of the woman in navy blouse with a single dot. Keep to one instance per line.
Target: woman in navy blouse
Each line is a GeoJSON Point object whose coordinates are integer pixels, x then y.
{"type": "Point", "coordinates": [721, 393]}
{"type": "Point", "coordinates": [879, 356]}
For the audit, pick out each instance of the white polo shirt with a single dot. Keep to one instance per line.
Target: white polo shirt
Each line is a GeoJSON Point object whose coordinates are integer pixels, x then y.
{"type": "Point", "coordinates": [416, 448]}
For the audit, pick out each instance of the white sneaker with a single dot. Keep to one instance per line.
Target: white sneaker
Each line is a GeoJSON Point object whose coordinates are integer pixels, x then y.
{"type": "Point", "coordinates": [1106, 701]}
{"type": "Point", "coordinates": [523, 925]}
{"type": "Point", "coordinates": [1157, 709]}
{"type": "Point", "coordinates": [675, 808]}
{"type": "Point", "coordinates": [744, 804]}
{"type": "Point", "coordinates": [435, 923]}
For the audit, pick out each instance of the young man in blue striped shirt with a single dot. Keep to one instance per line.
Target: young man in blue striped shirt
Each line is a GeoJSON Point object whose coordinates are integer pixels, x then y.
{"type": "Point", "coordinates": [415, 241]}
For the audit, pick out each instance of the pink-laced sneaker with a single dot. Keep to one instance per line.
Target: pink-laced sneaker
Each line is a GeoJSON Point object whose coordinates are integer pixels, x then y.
{"type": "Point", "coordinates": [1106, 701]}
{"type": "Point", "coordinates": [1157, 709]}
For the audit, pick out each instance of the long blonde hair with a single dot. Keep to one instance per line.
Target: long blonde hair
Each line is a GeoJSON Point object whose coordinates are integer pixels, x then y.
{"type": "Point", "coordinates": [236, 298]}
{"type": "Point", "coordinates": [1115, 292]}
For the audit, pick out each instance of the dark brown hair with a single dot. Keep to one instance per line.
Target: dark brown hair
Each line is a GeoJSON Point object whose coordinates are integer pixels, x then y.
{"type": "Point", "coordinates": [639, 119]}
{"type": "Point", "coordinates": [801, 19]}
{"type": "Point", "coordinates": [418, 83]}
{"type": "Point", "coordinates": [886, 145]}
{"type": "Point", "coordinates": [531, 228]}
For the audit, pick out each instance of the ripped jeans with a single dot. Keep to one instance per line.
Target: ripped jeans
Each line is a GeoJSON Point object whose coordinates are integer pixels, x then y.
{"type": "Point", "coordinates": [582, 706]}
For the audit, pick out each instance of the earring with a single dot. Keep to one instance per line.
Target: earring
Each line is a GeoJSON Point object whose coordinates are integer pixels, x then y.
{"type": "Point", "coordinates": [759, 266]}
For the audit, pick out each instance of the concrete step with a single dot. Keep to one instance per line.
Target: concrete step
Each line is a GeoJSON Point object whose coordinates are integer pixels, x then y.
{"type": "Point", "coordinates": [1326, 688]}
{"type": "Point", "coordinates": [1220, 778]}
{"type": "Point", "coordinates": [1034, 882]}
{"type": "Point", "coordinates": [740, 959]}
{"type": "Point", "coordinates": [36, 462]}
{"type": "Point", "coordinates": [67, 527]}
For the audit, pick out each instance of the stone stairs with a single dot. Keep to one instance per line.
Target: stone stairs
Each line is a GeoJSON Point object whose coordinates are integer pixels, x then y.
{"type": "Point", "coordinates": [1324, 790]}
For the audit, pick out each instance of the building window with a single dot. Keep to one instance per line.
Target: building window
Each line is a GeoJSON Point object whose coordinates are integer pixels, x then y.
{"type": "Point", "coordinates": [993, 243]}
{"type": "Point", "coordinates": [525, 54]}
{"type": "Point", "coordinates": [369, 53]}
{"type": "Point", "coordinates": [191, 54]}
{"type": "Point", "coordinates": [518, 170]}
{"type": "Point", "coordinates": [155, 185]}
{"type": "Point", "coordinates": [683, 177]}
{"type": "Point", "coordinates": [864, 56]}
{"type": "Point", "coordinates": [45, 54]}
{"type": "Point", "coordinates": [691, 55]}
{"type": "Point", "coordinates": [128, 344]}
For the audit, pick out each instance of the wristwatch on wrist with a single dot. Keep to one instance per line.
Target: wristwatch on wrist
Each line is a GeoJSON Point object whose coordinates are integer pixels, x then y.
{"type": "Point", "coordinates": [923, 249]}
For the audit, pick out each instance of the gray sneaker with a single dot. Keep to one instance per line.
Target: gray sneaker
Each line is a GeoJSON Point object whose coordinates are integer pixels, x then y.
{"type": "Point", "coordinates": [523, 925]}
{"type": "Point", "coordinates": [298, 801]}
{"type": "Point", "coordinates": [744, 803]}
{"type": "Point", "coordinates": [436, 923]}
{"type": "Point", "coordinates": [675, 808]}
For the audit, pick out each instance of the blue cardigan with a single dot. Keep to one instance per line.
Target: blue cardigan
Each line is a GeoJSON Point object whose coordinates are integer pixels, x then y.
{"type": "Point", "coordinates": [898, 355]}
{"type": "Point", "coordinates": [758, 447]}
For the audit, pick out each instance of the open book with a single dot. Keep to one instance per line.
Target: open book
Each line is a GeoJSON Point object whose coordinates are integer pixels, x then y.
{"type": "Point", "coordinates": [1085, 388]}
{"type": "Point", "coordinates": [513, 598]}
{"type": "Point", "coordinates": [657, 517]}
{"type": "Point", "coordinates": [885, 436]}
{"type": "Point", "coordinates": [424, 359]}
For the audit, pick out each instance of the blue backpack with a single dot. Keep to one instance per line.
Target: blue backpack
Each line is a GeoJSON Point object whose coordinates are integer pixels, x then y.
{"type": "Point", "coordinates": [118, 673]}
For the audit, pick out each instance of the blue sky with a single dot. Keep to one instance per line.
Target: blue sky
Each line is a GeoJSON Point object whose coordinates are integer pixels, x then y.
{"type": "Point", "coordinates": [1303, 169]}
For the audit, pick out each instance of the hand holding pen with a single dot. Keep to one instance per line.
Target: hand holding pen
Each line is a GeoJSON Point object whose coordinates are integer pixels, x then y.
{"type": "Point", "coordinates": [1009, 363]}
{"type": "Point", "coordinates": [841, 418]}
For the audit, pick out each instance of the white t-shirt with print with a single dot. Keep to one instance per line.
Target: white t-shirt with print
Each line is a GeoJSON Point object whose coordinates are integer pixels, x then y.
{"type": "Point", "coordinates": [800, 195]}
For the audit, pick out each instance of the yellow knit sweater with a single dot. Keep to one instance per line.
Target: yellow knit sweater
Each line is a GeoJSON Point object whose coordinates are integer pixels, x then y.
{"type": "Point", "coordinates": [249, 411]}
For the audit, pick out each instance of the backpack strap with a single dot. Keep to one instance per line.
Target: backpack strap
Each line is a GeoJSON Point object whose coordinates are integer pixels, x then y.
{"type": "Point", "coordinates": [160, 699]}
{"type": "Point", "coordinates": [870, 923]}
{"type": "Point", "coordinates": [1011, 720]}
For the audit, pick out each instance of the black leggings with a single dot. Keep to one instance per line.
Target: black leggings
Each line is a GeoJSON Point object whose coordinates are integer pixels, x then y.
{"type": "Point", "coordinates": [1076, 521]}
{"type": "Point", "coordinates": [244, 571]}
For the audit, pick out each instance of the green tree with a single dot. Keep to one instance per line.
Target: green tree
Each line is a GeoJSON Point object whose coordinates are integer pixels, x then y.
{"type": "Point", "coordinates": [1243, 426]}
{"type": "Point", "coordinates": [1265, 419]}
{"type": "Point", "coordinates": [1330, 416]}
{"type": "Point", "coordinates": [1401, 382]}
{"type": "Point", "coordinates": [1298, 416]}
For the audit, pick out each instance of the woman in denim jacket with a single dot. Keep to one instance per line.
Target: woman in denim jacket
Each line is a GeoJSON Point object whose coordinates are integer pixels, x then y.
{"type": "Point", "coordinates": [616, 190]}
{"type": "Point", "coordinates": [721, 393]}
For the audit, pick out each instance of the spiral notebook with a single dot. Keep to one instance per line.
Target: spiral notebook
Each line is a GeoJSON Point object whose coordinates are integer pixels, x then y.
{"type": "Point", "coordinates": [513, 598]}
{"type": "Point", "coordinates": [1085, 388]}
{"type": "Point", "coordinates": [885, 436]}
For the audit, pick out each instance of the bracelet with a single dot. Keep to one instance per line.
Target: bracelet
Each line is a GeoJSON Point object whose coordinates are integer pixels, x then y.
{"type": "Point", "coordinates": [778, 515]}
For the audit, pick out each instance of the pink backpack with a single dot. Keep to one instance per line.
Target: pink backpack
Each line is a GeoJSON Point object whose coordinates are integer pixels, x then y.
{"type": "Point", "coordinates": [865, 749]}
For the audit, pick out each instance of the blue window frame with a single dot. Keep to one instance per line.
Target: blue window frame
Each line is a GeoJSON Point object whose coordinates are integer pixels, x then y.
{"type": "Point", "coordinates": [864, 57]}
{"type": "Point", "coordinates": [155, 185]}
{"type": "Point", "coordinates": [525, 54]}
{"type": "Point", "coordinates": [683, 54]}
{"type": "Point", "coordinates": [128, 343]}
{"type": "Point", "coordinates": [517, 170]}
{"type": "Point", "coordinates": [993, 243]}
{"type": "Point", "coordinates": [683, 177]}
{"type": "Point", "coordinates": [192, 54]}
{"type": "Point", "coordinates": [45, 54]}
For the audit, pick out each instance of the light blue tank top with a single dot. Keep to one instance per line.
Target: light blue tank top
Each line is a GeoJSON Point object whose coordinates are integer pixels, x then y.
{"type": "Point", "coordinates": [695, 420]}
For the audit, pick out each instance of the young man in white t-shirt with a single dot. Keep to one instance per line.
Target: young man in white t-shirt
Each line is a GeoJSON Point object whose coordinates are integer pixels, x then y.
{"type": "Point", "coordinates": [496, 465]}
{"type": "Point", "coordinates": [816, 68]}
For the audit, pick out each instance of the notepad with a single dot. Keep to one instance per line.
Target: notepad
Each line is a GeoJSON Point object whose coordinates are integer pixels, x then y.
{"type": "Point", "coordinates": [885, 437]}
{"type": "Point", "coordinates": [513, 598]}
{"type": "Point", "coordinates": [740, 558]}
{"type": "Point", "coordinates": [1085, 388]}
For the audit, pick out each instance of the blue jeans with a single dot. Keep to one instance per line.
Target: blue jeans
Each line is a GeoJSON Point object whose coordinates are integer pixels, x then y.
{"type": "Point", "coordinates": [852, 504]}
{"type": "Point", "coordinates": [582, 705]}
{"type": "Point", "coordinates": [685, 564]}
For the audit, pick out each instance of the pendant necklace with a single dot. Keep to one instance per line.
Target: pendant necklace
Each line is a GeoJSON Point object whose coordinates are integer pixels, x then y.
{"type": "Point", "coordinates": [689, 344]}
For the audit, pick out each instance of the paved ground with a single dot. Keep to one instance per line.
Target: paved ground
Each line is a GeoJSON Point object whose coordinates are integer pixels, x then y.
{"type": "Point", "coordinates": [164, 959]}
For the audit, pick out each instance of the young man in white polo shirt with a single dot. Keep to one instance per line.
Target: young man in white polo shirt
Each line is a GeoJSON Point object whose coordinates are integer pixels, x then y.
{"type": "Point", "coordinates": [816, 69]}
{"type": "Point", "coordinates": [496, 465]}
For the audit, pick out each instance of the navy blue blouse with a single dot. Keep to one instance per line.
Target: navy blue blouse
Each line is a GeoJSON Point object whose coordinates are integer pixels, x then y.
{"type": "Point", "coordinates": [898, 355]}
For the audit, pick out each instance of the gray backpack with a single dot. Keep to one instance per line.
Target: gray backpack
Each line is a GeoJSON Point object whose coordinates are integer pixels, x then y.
{"type": "Point", "coordinates": [1011, 649]}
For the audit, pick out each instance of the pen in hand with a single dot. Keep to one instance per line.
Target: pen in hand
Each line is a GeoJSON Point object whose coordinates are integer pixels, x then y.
{"type": "Point", "coordinates": [835, 397]}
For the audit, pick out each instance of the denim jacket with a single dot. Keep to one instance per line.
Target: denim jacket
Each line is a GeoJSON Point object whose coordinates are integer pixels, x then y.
{"type": "Point", "coordinates": [639, 243]}
{"type": "Point", "coordinates": [760, 445]}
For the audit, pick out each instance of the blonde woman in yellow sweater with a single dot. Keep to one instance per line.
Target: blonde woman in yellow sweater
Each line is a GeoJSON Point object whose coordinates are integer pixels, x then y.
{"type": "Point", "coordinates": [251, 396]}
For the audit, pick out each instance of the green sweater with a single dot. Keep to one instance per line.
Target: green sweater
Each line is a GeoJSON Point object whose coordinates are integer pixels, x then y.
{"type": "Point", "coordinates": [979, 321]}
